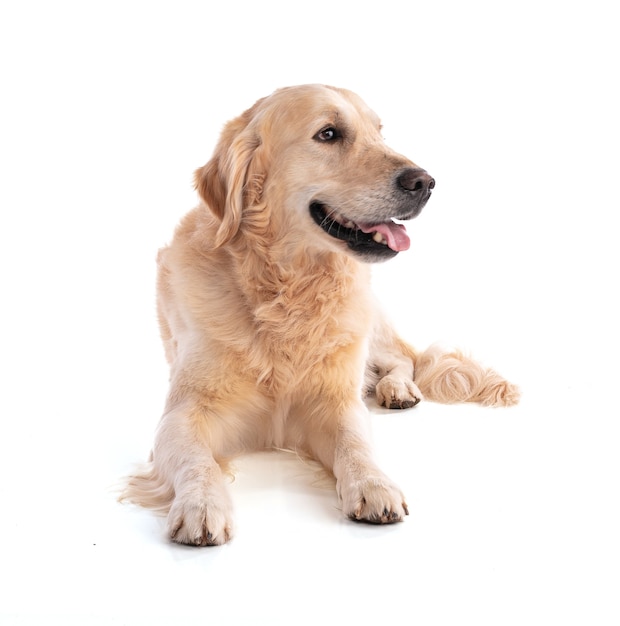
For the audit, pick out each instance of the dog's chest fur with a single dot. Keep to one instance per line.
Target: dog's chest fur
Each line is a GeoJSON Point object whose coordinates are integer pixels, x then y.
{"type": "Point", "coordinates": [308, 319]}
{"type": "Point", "coordinates": [281, 324]}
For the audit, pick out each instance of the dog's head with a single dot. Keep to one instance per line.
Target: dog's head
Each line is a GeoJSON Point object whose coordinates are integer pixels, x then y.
{"type": "Point", "coordinates": [307, 166]}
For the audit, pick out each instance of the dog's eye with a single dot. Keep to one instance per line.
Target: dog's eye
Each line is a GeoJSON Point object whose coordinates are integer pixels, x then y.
{"type": "Point", "coordinates": [327, 134]}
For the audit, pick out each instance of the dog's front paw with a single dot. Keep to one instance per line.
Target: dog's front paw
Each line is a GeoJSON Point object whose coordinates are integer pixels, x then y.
{"type": "Point", "coordinates": [397, 393]}
{"type": "Point", "coordinates": [201, 519]}
{"type": "Point", "coordinates": [375, 500]}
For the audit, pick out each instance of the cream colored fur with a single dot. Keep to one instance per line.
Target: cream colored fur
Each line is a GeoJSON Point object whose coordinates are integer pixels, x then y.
{"type": "Point", "coordinates": [269, 326]}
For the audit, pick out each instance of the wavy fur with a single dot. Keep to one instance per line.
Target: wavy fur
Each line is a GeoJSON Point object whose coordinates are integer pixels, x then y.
{"type": "Point", "coordinates": [268, 323]}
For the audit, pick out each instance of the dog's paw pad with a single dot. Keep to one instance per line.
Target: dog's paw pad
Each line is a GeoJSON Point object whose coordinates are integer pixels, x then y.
{"type": "Point", "coordinates": [376, 501]}
{"type": "Point", "coordinates": [396, 393]}
{"type": "Point", "coordinates": [203, 523]}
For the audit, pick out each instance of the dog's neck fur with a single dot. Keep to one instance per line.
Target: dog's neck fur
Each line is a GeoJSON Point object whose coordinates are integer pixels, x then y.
{"type": "Point", "coordinates": [305, 304]}
{"type": "Point", "coordinates": [272, 280]}
{"type": "Point", "coordinates": [305, 308]}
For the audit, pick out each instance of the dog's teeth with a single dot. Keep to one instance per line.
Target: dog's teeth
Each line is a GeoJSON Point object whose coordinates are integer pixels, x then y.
{"type": "Point", "coordinates": [349, 224]}
{"type": "Point", "coordinates": [379, 238]}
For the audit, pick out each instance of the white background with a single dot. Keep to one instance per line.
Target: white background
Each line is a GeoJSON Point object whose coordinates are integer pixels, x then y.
{"type": "Point", "coordinates": [106, 110]}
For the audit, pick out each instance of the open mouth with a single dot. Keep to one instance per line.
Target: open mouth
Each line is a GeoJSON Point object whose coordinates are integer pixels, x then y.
{"type": "Point", "coordinates": [381, 241]}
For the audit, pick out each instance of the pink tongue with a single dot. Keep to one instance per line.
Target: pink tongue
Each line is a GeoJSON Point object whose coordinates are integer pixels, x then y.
{"type": "Point", "coordinates": [395, 234]}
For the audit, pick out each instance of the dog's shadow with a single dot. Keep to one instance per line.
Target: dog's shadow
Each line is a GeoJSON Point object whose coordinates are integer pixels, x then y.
{"type": "Point", "coordinates": [281, 483]}
{"type": "Point", "coordinates": [278, 494]}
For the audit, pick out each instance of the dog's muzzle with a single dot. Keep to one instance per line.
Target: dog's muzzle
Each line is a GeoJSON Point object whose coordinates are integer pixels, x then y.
{"type": "Point", "coordinates": [380, 239]}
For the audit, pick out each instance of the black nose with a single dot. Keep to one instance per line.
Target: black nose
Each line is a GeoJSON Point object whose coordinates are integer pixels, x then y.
{"type": "Point", "coordinates": [416, 180]}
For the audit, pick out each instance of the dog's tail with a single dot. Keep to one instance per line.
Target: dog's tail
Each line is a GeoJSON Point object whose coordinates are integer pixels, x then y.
{"type": "Point", "coordinates": [450, 377]}
{"type": "Point", "coordinates": [148, 489]}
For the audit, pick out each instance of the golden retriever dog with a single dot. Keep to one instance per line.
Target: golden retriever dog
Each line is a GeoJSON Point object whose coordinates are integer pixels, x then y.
{"type": "Point", "coordinates": [269, 326]}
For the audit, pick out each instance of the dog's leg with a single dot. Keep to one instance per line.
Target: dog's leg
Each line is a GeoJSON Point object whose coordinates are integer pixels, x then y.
{"type": "Point", "coordinates": [366, 492]}
{"type": "Point", "coordinates": [341, 445]}
{"type": "Point", "coordinates": [389, 371]}
{"type": "Point", "coordinates": [201, 511]}
{"type": "Point", "coordinates": [395, 388]}
{"type": "Point", "coordinates": [439, 375]}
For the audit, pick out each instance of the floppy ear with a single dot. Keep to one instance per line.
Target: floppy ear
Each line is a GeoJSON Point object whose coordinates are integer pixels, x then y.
{"type": "Point", "coordinates": [221, 183]}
